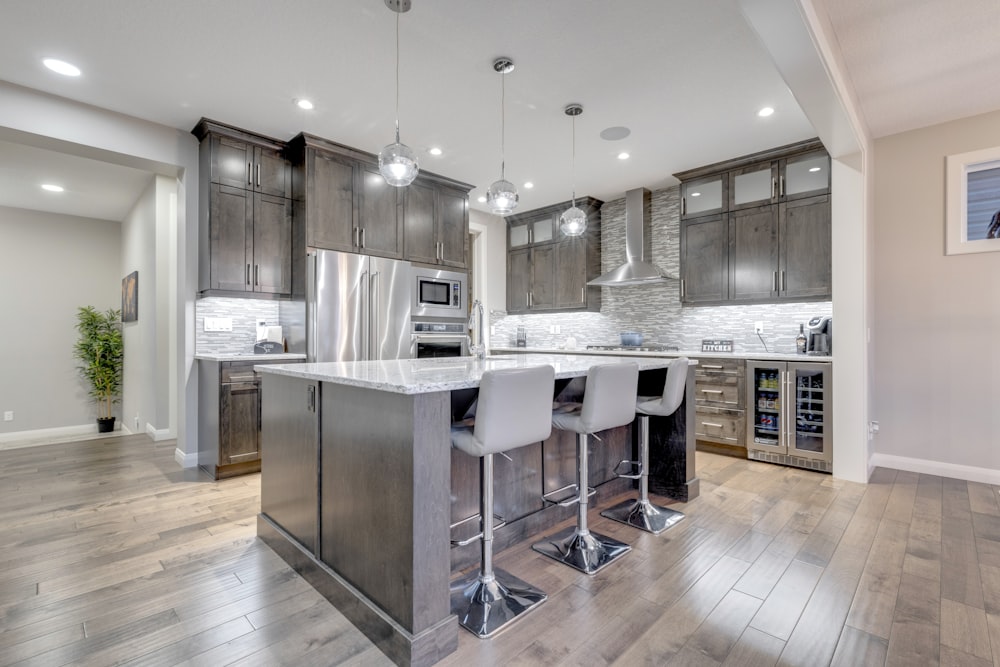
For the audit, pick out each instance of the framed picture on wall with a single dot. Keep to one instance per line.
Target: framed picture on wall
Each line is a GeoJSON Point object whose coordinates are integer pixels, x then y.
{"type": "Point", "coordinates": [972, 202]}
{"type": "Point", "coordinates": [130, 297]}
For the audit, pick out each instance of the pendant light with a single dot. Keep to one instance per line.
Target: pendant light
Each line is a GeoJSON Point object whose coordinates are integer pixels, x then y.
{"type": "Point", "coordinates": [573, 221]}
{"type": "Point", "coordinates": [502, 197]}
{"type": "Point", "coordinates": [396, 162]}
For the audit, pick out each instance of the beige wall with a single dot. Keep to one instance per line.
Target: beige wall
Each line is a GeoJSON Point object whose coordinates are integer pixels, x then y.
{"type": "Point", "coordinates": [936, 317]}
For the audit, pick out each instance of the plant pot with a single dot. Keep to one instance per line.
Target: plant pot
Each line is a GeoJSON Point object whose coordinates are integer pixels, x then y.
{"type": "Point", "coordinates": [105, 424]}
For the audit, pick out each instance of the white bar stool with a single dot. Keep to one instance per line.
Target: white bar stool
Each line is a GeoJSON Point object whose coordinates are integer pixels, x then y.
{"type": "Point", "coordinates": [641, 513]}
{"type": "Point", "coordinates": [608, 402]}
{"type": "Point", "coordinates": [515, 410]}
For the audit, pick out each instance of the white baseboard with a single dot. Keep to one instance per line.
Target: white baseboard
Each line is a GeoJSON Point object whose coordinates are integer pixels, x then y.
{"type": "Point", "coordinates": [46, 434]}
{"type": "Point", "coordinates": [158, 434]}
{"type": "Point", "coordinates": [939, 468]}
{"type": "Point", "coordinates": [185, 460]}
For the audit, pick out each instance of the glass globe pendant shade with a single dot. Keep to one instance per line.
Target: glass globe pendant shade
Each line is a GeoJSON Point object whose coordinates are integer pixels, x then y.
{"type": "Point", "coordinates": [502, 197]}
{"type": "Point", "coordinates": [573, 222]}
{"type": "Point", "coordinates": [398, 164]}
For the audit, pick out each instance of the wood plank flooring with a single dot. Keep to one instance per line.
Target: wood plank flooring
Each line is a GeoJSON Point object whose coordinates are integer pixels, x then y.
{"type": "Point", "coordinates": [111, 554]}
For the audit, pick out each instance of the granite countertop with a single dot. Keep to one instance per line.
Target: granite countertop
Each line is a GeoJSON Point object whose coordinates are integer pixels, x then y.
{"type": "Point", "coordinates": [221, 356]}
{"type": "Point", "coordinates": [691, 354]}
{"type": "Point", "coordinates": [424, 376]}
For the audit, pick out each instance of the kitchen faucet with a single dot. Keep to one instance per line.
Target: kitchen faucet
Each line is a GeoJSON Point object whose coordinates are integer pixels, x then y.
{"type": "Point", "coordinates": [476, 326]}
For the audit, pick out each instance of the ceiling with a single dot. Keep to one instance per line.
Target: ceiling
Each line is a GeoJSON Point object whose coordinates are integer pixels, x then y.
{"type": "Point", "coordinates": [686, 76]}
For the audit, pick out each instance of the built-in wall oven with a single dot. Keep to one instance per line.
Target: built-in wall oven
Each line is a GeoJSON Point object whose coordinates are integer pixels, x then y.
{"type": "Point", "coordinates": [438, 293]}
{"type": "Point", "coordinates": [429, 339]}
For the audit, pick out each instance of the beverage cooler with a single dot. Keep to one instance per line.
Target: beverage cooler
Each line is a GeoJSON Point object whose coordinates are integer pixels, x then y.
{"type": "Point", "coordinates": [789, 413]}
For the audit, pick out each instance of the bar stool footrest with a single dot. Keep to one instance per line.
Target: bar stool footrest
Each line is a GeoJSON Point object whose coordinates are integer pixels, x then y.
{"type": "Point", "coordinates": [588, 552]}
{"type": "Point", "coordinates": [571, 498]}
{"type": "Point", "coordinates": [634, 469]}
{"type": "Point", "coordinates": [500, 522]}
{"type": "Point", "coordinates": [484, 608]}
{"type": "Point", "coordinates": [643, 515]}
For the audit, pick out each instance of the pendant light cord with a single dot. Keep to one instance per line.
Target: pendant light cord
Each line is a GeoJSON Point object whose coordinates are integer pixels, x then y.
{"type": "Point", "coordinates": [503, 115]}
{"type": "Point", "coordinates": [573, 169]}
{"type": "Point", "coordinates": [397, 77]}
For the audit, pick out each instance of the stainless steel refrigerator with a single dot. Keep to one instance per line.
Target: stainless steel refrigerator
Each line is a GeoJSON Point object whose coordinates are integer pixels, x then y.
{"type": "Point", "coordinates": [357, 307]}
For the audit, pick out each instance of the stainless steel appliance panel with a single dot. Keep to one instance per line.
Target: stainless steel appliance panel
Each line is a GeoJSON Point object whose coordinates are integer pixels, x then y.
{"type": "Point", "coordinates": [389, 315]}
{"type": "Point", "coordinates": [337, 306]}
{"type": "Point", "coordinates": [446, 292]}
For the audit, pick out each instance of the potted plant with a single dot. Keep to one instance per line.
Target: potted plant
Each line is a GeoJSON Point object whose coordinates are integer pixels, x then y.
{"type": "Point", "coordinates": [101, 351]}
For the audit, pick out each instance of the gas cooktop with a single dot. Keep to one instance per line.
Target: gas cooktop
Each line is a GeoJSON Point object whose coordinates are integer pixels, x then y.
{"type": "Point", "coordinates": [649, 347]}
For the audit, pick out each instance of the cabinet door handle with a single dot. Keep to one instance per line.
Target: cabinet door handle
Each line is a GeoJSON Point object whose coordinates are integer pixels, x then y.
{"type": "Point", "coordinates": [716, 366]}
{"type": "Point", "coordinates": [248, 274]}
{"type": "Point", "coordinates": [774, 187]}
{"type": "Point", "coordinates": [527, 299]}
{"type": "Point", "coordinates": [362, 244]}
{"type": "Point", "coordinates": [583, 294]}
{"type": "Point", "coordinates": [311, 398]}
{"type": "Point", "coordinates": [781, 190]}
{"type": "Point", "coordinates": [684, 202]}
{"type": "Point", "coordinates": [682, 288]}
{"type": "Point", "coordinates": [250, 173]}
{"type": "Point", "coordinates": [784, 285]}
{"type": "Point", "coordinates": [256, 274]}
{"type": "Point", "coordinates": [258, 174]}
{"type": "Point", "coordinates": [712, 424]}
{"type": "Point", "coordinates": [357, 238]}
{"type": "Point", "coordinates": [711, 391]}
{"type": "Point", "coordinates": [774, 282]}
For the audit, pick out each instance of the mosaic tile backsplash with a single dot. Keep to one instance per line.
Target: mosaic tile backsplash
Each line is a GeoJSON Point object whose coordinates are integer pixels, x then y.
{"type": "Point", "coordinates": [245, 314]}
{"type": "Point", "coordinates": [655, 310]}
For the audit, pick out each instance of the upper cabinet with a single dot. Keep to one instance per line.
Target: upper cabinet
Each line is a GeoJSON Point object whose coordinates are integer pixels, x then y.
{"type": "Point", "coordinates": [343, 203]}
{"type": "Point", "coordinates": [245, 215]}
{"type": "Point", "coordinates": [436, 218]}
{"type": "Point", "coordinates": [757, 229]}
{"type": "Point", "coordinates": [549, 272]}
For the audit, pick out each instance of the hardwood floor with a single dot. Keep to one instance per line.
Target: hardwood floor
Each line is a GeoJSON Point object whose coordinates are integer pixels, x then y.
{"type": "Point", "coordinates": [111, 554]}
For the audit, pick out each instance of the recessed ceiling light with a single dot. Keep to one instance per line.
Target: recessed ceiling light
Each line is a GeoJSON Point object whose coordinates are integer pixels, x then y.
{"type": "Point", "coordinates": [695, 194]}
{"type": "Point", "coordinates": [52, 188]}
{"type": "Point", "coordinates": [304, 104]}
{"type": "Point", "coordinates": [765, 112]}
{"type": "Point", "coordinates": [623, 156]}
{"type": "Point", "coordinates": [814, 169]}
{"type": "Point", "coordinates": [482, 199]}
{"type": "Point", "coordinates": [435, 151]}
{"type": "Point", "coordinates": [529, 185]}
{"type": "Point", "coordinates": [616, 133]}
{"type": "Point", "coordinates": [61, 67]}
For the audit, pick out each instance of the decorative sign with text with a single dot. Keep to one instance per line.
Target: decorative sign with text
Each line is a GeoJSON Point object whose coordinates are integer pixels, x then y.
{"type": "Point", "coordinates": [716, 345]}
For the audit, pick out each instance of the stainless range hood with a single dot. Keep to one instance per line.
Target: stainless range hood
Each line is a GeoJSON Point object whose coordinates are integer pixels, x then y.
{"type": "Point", "coordinates": [638, 231]}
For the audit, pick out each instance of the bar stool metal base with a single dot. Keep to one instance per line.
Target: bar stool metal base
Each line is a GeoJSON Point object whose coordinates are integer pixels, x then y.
{"type": "Point", "coordinates": [589, 552]}
{"type": "Point", "coordinates": [484, 608]}
{"type": "Point", "coordinates": [643, 515]}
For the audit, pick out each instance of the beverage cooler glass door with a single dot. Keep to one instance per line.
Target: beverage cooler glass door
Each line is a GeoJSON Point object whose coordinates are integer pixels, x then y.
{"type": "Point", "coordinates": [810, 396]}
{"type": "Point", "coordinates": [765, 399]}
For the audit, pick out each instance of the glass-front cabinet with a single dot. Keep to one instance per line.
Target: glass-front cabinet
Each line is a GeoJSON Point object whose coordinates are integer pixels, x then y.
{"type": "Point", "coordinates": [703, 196]}
{"type": "Point", "coordinates": [788, 413]}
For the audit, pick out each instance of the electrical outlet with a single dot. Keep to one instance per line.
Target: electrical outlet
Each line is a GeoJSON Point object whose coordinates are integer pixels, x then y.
{"type": "Point", "coordinates": [758, 327]}
{"type": "Point", "coordinates": [218, 324]}
{"type": "Point", "coordinates": [8, 416]}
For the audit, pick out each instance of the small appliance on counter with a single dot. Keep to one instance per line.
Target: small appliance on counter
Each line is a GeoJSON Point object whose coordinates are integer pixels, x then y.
{"type": "Point", "coordinates": [819, 336]}
{"type": "Point", "coordinates": [522, 338]}
{"type": "Point", "coordinates": [269, 340]}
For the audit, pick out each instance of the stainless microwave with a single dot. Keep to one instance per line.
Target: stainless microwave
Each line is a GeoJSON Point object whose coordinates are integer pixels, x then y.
{"type": "Point", "coordinates": [438, 293]}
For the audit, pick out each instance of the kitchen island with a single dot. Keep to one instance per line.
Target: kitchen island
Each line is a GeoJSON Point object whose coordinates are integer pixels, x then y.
{"type": "Point", "coordinates": [359, 483]}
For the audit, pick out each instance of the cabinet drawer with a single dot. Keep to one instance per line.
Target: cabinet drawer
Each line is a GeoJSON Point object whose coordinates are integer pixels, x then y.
{"type": "Point", "coordinates": [715, 367]}
{"type": "Point", "coordinates": [718, 426]}
{"type": "Point", "coordinates": [716, 392]}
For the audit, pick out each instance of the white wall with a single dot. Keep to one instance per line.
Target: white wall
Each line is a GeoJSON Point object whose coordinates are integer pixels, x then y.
{"type": "Point", "coordinates": [937, 317]}
{"type": "Point", "coordinates": [50, 265]}
{"type": "Point", "coordinates": [146, 383]}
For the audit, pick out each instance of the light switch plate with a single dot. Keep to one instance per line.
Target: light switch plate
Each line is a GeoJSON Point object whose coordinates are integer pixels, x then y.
{"type": "Point", "coordinates": [218, 324]}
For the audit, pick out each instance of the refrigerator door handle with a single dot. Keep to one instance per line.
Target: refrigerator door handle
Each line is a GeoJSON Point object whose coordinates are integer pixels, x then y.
{"type": "Point", "coordinates": [312, 319]}
{"type": "Point", "coordinates": [374, 329]}
{"type": "Point", "coordinates": [363, 317]}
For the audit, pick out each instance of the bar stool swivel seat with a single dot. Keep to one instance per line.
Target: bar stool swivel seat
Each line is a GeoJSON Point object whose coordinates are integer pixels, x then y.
{"type": "Point", "coordinates": [514, 410]}
{"type": "Point", "coordinates": [608, 402]}
{"type": "Point", "coordinates": [641, 513]}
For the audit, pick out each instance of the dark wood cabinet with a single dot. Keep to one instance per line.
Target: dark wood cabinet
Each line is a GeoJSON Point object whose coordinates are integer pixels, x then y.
{"type": "Point", "coordinates": [753, 254]}
{"type": "Point", "coordinates": [436, 219]}
{"type": "Point", "coordinates": [549, 272]}
{"type": "Point", "coordinates": [245, 213]}
{"type": "Point", "coordinates": [764, 233]}
{"type": "Point", "coordinates": [343, 203]}
{"type": "Point", "coordinates": [229, 416]}
{"type": "Point", "coordinates": [704, 260]}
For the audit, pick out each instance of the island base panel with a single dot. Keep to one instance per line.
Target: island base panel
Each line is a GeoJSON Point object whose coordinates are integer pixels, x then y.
{"type": "Point", "coordinates": [402, 647]}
